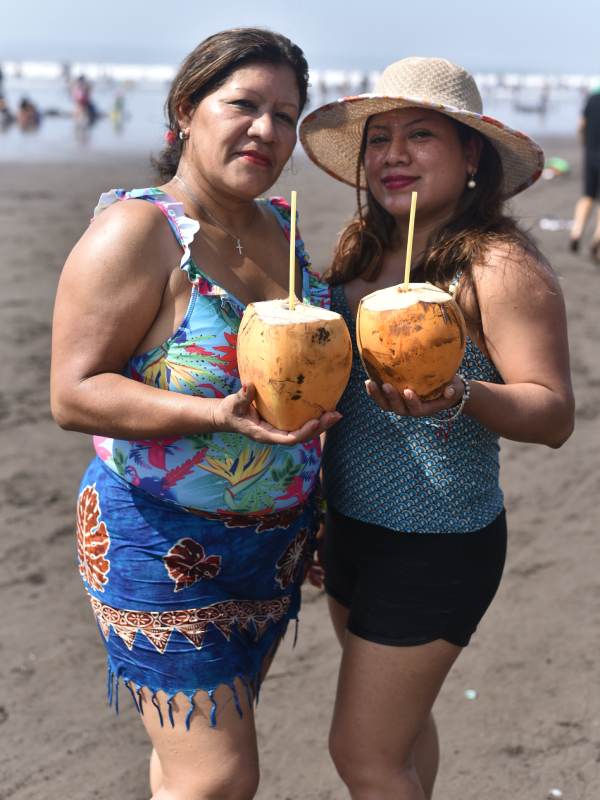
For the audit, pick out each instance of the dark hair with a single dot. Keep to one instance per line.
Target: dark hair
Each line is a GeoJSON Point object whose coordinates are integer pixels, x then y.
{"type": "Point", "coordinates": [478, 222]}
{"type": "Point", "coordinates": [210, 64]}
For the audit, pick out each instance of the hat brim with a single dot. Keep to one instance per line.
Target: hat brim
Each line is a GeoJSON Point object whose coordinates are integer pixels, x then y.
{"type": "Point", "coordinates": [332, 134]}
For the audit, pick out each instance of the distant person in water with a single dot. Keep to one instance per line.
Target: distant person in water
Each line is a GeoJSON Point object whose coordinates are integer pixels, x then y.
{"type": "Point", "coordinates": [589, 131]}
{"type": "Point", "coordinates": [28, 115]}
{"type": "Point", "coordinates": [66, 72]}
{"type": "Point", "coordinates": [6, 115]}
{"type": "Point", "coordinates": [81, 93]}
{"type": "Point", "coordinates": [117, 112]}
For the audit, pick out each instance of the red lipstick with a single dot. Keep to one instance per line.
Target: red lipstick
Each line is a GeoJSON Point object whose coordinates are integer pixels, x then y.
{"type": "Point", "coordinates": [256, 158]}
{"type": "Point", "coordinates": [398, 181]}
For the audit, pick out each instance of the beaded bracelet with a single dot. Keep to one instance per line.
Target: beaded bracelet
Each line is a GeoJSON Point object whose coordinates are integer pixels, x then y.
{"type": "Point", "coordinates": [447, 421]}
{"type": "Point", "coordinates": [463, 400]}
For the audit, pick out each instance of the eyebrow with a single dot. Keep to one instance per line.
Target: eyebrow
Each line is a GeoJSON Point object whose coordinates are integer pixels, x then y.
{"type": "Point", "coordinates": [295, 106]}
{"type": "Point", "coordinates": [406, 124]}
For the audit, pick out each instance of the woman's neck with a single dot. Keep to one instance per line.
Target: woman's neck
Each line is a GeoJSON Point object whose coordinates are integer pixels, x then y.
{"type": "Point", "coordinates": [233, 213]}
{"type": "Point", "coordinates": [423, 231]}
{"type": "Point", "coordinates": [421, 237]}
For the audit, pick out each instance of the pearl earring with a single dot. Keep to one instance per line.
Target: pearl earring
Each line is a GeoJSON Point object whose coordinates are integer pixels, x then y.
{"type": "Point", "coordinates": [471, 183]}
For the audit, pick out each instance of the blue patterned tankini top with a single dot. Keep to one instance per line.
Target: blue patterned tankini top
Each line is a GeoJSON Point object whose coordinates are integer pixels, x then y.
{"type": "Point", "coordinates": [403, 473]}
{"type": "Point", "coordinates": [220, 473]}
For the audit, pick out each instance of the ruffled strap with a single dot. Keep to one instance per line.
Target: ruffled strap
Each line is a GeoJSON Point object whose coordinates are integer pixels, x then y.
{"type": "Point", "coordinates": [183, 227]}
{"type": "Point", "coordinates": [314, 288]}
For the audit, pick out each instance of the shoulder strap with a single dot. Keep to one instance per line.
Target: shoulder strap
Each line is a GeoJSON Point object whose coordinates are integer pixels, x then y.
{"type": "Point", "coordinates": [184, 229]}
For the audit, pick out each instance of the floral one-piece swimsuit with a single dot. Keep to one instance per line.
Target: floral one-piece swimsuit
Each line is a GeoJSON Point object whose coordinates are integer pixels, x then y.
{"type": "Point", "coordinates": [192, 549]}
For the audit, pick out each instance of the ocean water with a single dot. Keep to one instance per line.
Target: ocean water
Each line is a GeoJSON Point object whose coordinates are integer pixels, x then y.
{"type": "Point", "coordinates": [140, 130]}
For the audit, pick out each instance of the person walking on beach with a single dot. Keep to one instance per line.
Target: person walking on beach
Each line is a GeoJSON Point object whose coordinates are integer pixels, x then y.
{"type": "Point", "coordinates": [415, 535]}
{"type": "Point", "coordinates": [196, 518]}
{"type": "Point", "coordinates": [589, 132]}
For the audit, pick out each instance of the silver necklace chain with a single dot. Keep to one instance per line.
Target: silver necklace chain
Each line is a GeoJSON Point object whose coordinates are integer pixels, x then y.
{"type": "Point", "coordinates": [202, 207]}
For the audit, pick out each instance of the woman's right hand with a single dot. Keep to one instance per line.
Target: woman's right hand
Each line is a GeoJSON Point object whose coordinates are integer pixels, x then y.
{"type": "Point", "coordinates": [236, 414]}
{"type": "Point", "coordinates": [409, 404]}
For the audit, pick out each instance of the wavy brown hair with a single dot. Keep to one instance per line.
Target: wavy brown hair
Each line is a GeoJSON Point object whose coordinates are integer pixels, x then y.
{"type": "Point", "coordinates": [209, 65]}
{"type": "Point", "coordinates": [479, 221]}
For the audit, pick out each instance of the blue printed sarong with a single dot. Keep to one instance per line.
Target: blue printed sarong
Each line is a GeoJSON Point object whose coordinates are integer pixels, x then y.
{"type": "Point", "coordinates": [187, 601]}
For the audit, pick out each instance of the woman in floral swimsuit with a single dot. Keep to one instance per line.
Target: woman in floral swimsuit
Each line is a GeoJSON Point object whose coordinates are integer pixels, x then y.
{"type": "Point", "coordinates": [196, 517]}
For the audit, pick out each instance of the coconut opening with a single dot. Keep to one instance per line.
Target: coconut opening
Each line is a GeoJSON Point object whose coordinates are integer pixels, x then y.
{"type": "Point", "coordinates": [278, 312]}
{"type": "Point", "coordinates": [402, 296]}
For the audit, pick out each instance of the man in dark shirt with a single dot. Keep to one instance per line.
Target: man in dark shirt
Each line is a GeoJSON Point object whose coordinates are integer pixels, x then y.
{"type": "Point", "coordinates": [589, 130]}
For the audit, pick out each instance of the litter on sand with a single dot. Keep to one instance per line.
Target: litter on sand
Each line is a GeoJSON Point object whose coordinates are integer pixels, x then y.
{"type": "Point", "coordinates": [471, 694]}
{"type": "Point", "coordinates": [555, 166]}
{"type": "Point", "coordinates": [555, 224]}
{"type": "Point", "coordinates": [555, 793]}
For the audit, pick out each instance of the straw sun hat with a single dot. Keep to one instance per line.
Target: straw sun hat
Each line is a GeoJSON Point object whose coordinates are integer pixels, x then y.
{"type": "Point", "coordinates": [332, 134]}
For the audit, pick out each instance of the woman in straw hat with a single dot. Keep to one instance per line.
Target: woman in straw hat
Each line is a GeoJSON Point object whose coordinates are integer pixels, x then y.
{"type": "Point", "coordinates": [416, 535]}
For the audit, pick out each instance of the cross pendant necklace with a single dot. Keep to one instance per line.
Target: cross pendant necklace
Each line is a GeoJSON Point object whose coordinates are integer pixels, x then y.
{"type": "Point", "coordinates": [194, 198]}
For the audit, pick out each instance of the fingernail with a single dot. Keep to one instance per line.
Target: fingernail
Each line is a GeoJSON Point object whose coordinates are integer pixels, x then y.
{"type": "Point", "coordinates": [408, 394]}
{"type": "Point", "coordinates": [387, 388]}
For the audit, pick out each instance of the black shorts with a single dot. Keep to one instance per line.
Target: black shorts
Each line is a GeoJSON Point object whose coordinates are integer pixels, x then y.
{"type": "Point", "coordinates": [412, 588]}
{"type": "Point", "coordinates": [591, 177]}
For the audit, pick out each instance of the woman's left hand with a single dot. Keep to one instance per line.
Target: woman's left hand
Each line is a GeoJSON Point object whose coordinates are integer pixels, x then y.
{"type": "Point", "coordinates": [236, 413]}
{"type": "Point", "coordinates": [409, 404]}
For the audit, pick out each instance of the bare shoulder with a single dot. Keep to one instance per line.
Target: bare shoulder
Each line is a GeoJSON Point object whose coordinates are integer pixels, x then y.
{"type": "Point", "coordinates": [112, 287]}
{"type": "Point", "coordinates": [130, 236]}
{"type": "Point", "coordinates": [515, 274]}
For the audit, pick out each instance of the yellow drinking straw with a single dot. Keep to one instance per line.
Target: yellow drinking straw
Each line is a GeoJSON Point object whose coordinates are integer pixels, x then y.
{"type": "Point", "coordinates": [292, 302]}
{"type": "Point", "coordinates": [409, 241]}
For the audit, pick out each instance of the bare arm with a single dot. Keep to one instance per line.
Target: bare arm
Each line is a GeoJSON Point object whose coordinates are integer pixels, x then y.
{"type": "Point", "coordinates": [108, 297]}
{"type": "Point", "coordinates": [524, 325]}
{"type": "Point", "coordinates": [525, 329]}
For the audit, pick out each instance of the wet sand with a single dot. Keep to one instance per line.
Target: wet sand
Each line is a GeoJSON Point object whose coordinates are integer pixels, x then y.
{"type": "Point", "coordinates": [535, 723]}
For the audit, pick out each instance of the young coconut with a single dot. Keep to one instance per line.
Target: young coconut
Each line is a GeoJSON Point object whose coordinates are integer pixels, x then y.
{"type": "Point", "coordinates": [298, 359]}
{"type": "Point", "coordinates": [412, 336]}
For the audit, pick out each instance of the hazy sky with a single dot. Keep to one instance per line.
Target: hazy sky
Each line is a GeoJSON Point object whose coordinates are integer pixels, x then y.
{"type": "Point", "coordinates": [522, 35]}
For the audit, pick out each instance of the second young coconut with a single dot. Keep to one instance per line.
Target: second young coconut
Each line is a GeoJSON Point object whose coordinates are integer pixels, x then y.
{"type": "Point", "coordinates": [412, 336]}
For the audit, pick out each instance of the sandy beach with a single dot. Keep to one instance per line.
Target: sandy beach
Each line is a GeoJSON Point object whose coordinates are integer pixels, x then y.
{"type": "Point", "coordinates": [534, 723]}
